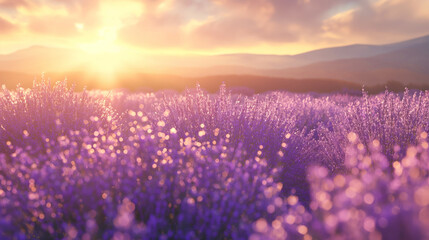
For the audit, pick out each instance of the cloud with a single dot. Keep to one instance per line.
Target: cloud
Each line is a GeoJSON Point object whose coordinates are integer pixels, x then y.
{"type": "Point", "coordinates": [380, 21]}
{"type": "Point", "coordinates": [231, 23]}
{"type": "Point", "coordinates": [218, 24]}
{"type": "Point", "coordinates": [5, 26]}
{"type": "Point", "coordinates": [221, 23]}
{"type": "Point", "coordinates": [32, 12]}
{"type": "Point", "coordinates": [12, 3]}
{"type": "Point", "coordinates": [163, 22]}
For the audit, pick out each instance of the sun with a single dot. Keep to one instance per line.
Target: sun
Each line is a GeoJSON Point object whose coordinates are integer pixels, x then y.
{"type": "Point", "coordinates": [104, 58]}
{"type": "Point", "coordinates": [112, 16]}
{"type": "Point", "coordinates": [106, 42]}
{"type": "Point", "coordinates": [103, 55]}
{"type": "Point", "coordinates": [106, 67]}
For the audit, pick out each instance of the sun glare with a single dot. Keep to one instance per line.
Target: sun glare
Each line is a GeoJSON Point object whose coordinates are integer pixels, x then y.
{"type": "Point", "coordinates": [113, 16]}
{"type": "Point", "coordinates": [79, 26]}
{"type": "Point", "coordinates": [106, 68]}
{"type": "Point", "coordinates": [104, 56]}
{"type": "Point", "coordinates": [105, 43]}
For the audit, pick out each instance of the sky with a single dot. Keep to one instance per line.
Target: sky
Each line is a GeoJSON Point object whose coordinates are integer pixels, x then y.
{"type": "Point", "coordinates": [208, 26]}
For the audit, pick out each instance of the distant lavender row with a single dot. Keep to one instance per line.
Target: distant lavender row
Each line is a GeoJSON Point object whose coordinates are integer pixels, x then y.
{"type": "Point", "coordinates": [100, 165]}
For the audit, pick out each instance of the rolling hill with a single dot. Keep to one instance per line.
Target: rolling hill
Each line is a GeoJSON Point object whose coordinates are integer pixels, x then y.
{"type": "Point", "coordinates": [409, 64]}
{"type": "Point", "coordinates": [405, 62]}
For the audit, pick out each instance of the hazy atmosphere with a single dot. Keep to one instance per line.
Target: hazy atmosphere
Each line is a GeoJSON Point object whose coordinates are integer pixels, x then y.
{"type": "Point", "coordinates": [119, 44]}
{"type": "Point", "coordinates": [214, 119]}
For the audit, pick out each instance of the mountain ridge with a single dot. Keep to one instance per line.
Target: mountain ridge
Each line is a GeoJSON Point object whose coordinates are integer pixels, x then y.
{"type": "Point", "coordinates": [405, 61]}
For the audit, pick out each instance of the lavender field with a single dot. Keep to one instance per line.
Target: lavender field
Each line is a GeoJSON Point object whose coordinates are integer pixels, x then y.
{"type": "Point", "coordinates": [195, 165]}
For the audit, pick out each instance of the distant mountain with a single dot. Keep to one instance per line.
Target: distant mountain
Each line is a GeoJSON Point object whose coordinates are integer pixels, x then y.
{"type": "Point", "coordinates": [409, 64]}
{"type": "Point", "coordinates": [40, 59]}
{"type": "Point", "coordinates": [414, 58]}
{"type": "Point", "coordinates": [245, 84]}
{"type": "Point", "coordinates": [259, 61]}
{"type": "Point", "coordinates": [325, 54]}
{"type": "Point", "coordinates": [404, 62]}
{"type": "Point", "coordinates": [357, 51]}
